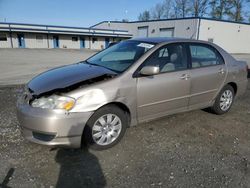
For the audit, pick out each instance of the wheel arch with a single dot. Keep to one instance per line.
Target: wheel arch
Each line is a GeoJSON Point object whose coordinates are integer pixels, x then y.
{"type": "Point", "coordinates": [234, 86]}
{"type": "Point", "coordinates": [121, 106]}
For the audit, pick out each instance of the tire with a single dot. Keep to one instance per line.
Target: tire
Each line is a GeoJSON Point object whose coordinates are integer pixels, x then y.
{"type": "Point", "coordinates": [218, 108]}
{"type": "Point", "coordinates": [114, 117]}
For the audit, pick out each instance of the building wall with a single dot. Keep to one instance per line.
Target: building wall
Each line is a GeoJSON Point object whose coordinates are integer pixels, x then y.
{"type": "Point", "coordinates": [97, 45]}
{"type": "Point", "coordinates": [65, 41]}
{"type": "Point", "coordinates": [233, 37]}
{"type": "Point", "coordinates": [181, 28]}
{"type": "Point", "coordinates": [35, 40]}
{"type": "Point", "coordinates": [114, 26]}
{"type": "Point", "coordinates": [14, 40]}
{"type": "Point", "coordinates": [186, 28]}
{"type": "Point", "coordinates": [5, 44]}
{"type": "Point", "coordinates": [31, 40]}
{"type": "Point", "coordinates": [42, 36]}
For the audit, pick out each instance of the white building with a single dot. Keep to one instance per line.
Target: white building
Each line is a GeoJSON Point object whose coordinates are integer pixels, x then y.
{"type": "Point", "coordinates": [232, 36]}
{"type": "Point", "coordinates": [13, 35]}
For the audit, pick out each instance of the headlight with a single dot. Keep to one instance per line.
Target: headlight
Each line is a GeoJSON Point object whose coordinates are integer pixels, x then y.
{"type": "Point", "coordinates": [54, 102]}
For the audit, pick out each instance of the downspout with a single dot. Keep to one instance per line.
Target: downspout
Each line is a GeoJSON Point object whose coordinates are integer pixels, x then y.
{"type": "Point", "coordinates": [199, 25]}
{"type": "Point", "coordinates": [11, 41]}
{"type": "Point", "coordinates": [89, 42]}
{"type": "Point", "coordinates": [47, 36]}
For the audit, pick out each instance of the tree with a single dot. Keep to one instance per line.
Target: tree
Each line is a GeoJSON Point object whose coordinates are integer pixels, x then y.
{"type": "Point", "coordinates": [125, 20]}
{"type": "Point", "coordinates": [181, 8]}
{"type": "Point", "coordinates": [144, 16]}
{"type": "Point", "coordinates": [168, 4]}
{"type": "Point", "coordinates": [199, 7]}
{"type": "Point", "coordinates": [235, 13]}
{"type": "Point", "coordinates": [158, 12]}
{"type": "Point", "coordinates": [219, 8]}
{"type": "Point", "coordinates": [213, 6]}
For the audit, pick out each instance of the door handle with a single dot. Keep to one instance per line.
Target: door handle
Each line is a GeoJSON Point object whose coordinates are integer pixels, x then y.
{"type": "Point", "coordinates": [185, 77]}
{"type": "Point", "coordinates": [221, 71]}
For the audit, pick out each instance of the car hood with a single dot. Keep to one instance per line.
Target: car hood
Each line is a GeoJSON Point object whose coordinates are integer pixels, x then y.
{"type": "Point", "coordinates": [68, 77]}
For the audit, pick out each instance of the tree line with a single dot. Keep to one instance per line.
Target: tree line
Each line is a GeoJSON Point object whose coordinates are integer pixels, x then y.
{"type": "Point", "coordinates": [233, 10]}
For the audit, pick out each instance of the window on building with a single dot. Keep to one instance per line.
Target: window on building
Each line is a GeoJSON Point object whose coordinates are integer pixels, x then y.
{"type": "Point", "coordinates": [39, 38]}
{"type": "Point", "coordinates": [203, 56]}
{"type": "Point", "coordinates": [94, 40]}
{"type": "Point", "coordinates": [74, 39]}
{"type": "Point", "coordinates": [3, 37]}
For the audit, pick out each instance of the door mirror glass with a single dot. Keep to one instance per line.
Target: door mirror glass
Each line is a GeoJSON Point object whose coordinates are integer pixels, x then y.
{"type": "Point", "coordinates": [150, 70]}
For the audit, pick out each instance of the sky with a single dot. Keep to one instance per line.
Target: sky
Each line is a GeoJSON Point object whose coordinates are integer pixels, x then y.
{"type": "Point", "coordinates": [81, 13]}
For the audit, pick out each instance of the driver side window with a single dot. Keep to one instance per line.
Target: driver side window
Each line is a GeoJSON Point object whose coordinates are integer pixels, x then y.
{"type": "Point", "coordinates": [169, 58]}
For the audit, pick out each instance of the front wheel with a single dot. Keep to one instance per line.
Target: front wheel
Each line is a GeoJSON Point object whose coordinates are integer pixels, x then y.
{"type": "Point", "coordinates": [106, 127]}
{"type": "Point", "coordinates": [224, 100]}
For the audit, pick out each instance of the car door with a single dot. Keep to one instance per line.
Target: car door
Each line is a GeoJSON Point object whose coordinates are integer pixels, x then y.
{"type": "Point", "coordinates": [168, 91]}
{"type": "Point", "coordinates": [207, 74]}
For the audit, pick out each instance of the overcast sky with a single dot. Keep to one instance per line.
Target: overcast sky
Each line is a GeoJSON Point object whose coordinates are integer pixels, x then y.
{"type": "Point", "coordinates": [71, 12]}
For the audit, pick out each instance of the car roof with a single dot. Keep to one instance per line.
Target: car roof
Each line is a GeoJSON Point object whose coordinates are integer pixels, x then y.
{"type": "Point", "coordinates": [157, 40]}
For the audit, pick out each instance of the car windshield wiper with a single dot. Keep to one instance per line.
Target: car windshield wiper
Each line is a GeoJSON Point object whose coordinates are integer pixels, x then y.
{"type": "Point", "coordinates": [87, 62]}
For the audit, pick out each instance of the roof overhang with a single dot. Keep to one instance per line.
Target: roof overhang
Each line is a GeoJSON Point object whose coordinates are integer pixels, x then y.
{"type": "Point", "coordinates": [63, 30]}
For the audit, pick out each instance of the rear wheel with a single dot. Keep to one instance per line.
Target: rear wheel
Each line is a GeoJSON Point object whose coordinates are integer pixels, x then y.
{"type": "Point", "coordinates": [106, 127]}
{"type": "Point", "coordinates": [224, 100]}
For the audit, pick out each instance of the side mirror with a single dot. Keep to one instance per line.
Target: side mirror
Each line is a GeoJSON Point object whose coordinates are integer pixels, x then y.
{"type": "Point", "coordinates": [150, 70]}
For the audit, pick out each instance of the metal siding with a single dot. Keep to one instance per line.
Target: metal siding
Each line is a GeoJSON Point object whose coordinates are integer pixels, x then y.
{"type": "Point", "coordinates": [186, 28]}
{"type": "Point", "coordinates": [65, 41]}
{"type": "Point", "coordinates": [32, 42]}
{"type": "Point", "coordinates": [232, 37]}
{"type": "Point", "coordinates": [99, 44]}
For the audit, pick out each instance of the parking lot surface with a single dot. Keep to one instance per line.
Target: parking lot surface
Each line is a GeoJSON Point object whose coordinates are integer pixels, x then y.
{"type": "Point", "coordinates": [194, 149]}
{"type": "Point", "coordinates": [17, 66]}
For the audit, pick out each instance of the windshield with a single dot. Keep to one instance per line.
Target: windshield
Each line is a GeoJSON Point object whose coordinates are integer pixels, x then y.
{"type": "Point", "coordinates": [120, 56]}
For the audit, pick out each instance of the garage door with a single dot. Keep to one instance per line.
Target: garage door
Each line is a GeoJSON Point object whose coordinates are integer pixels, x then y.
{"type": "Point", "coordinates": [166, 32]}
{"type": "Point", "coordinates": [142, 31]}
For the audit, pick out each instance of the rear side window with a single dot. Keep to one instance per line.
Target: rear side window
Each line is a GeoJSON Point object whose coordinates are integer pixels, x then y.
{"type": "Point", "coordinates": [171, 57]}
{"type": "Point", "coordinates": [203, 56]}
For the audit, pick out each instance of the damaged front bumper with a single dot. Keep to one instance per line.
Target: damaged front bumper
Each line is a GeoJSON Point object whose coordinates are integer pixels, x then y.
{"type": "Point", "coordinates": [51, 127]}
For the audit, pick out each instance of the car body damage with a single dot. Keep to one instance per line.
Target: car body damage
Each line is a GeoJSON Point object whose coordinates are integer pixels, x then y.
{"type": "Point", "coordinates": [66, 78]}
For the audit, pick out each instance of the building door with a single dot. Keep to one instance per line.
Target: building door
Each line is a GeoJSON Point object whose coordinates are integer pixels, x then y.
{"type": "Point", "coordinates": [21, 41]}
{"type": "Point", "coordinates": [166, 32]}
{"type": "Point", "coordinates": [82, 42]}
{"type": "Point", "coordinates": [106, 42]}
{"type": "Point", "coordinates": [56, 41]}
{"type": "Point", "coordinates": [143, 31]}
